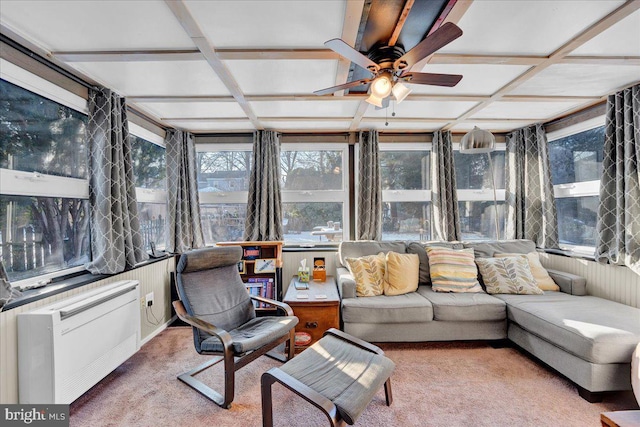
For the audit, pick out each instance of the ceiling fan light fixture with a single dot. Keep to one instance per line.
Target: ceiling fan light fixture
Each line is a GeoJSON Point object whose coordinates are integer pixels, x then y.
{"type": "Point", "coordinates": [374, 100]}
{"type": "Point", "coordinates": [400, 92]}
{"type": "Point", "coordinates": [381, 86]}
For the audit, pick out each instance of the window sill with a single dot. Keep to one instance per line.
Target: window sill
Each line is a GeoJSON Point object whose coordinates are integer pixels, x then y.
{"type": "Point", "coordinates": [310, 247]}
{"type": "Point", "coordinates": [570, 253]}
{"type": "Point", "coordinates": [65, 284]}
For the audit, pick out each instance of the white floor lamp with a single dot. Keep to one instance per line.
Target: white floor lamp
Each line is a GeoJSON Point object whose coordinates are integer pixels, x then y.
{"type": "Point", "coordinates": [482, 141]}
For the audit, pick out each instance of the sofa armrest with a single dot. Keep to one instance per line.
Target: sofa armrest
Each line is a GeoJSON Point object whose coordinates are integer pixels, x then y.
{"type": "Point", "coordinates": [569, 283]}
{"type": "Point", "coordinates": [346, 283]}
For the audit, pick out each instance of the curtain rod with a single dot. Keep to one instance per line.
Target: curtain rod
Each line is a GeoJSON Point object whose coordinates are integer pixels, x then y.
{"type": "Point", "coordinates": [36, 57]}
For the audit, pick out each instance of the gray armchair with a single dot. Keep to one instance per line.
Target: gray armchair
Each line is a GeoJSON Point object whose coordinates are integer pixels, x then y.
{"type": "Point", "coordinates": [213, 300]}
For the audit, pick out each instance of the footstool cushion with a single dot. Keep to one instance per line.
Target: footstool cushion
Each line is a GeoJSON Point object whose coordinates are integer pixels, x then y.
{"type": "Point", "coordinates": [339, 370]}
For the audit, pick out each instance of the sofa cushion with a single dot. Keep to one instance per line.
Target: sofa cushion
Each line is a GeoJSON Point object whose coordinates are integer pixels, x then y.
{"type": "Point", "coordinates": [540, 274]}
{"type": "Point", "coordinates": [359, 248]}
{"type": "Point", "coordinates": [464, 307]}
{"type": "Point", "coordinates": [420, 250]}
{"type": "Point", "coordinates": [453, 270]}
{"type": "Point", "coordinates": [592, 328]}
{"type": "Point", "coordinates": [407, 308]}
{"type": "Point", "coordinates": [369, 274]}
{"type": "Point", "coordinates": [508, 275]}
{"type": "Point", "coordinates": [402, 273]}
{"type": "Point", "coordinates": [488, 249]}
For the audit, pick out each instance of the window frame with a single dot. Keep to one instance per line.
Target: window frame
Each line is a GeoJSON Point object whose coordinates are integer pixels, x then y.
{"type": "Point", "coordinates": [322, 196]}
{"type": "Point", "coordinates": [220, 197]}
{"type": "Point", "coordinates": [484, 194]}
{"type": "Point", "coordinates": [20, 183]}
{"type": "Point", "coordinates": [577, 189]}
{"type": "Point", "coordinates": [406, 196]}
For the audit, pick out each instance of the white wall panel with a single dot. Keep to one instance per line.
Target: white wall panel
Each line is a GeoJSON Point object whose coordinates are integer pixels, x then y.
{"type": "Point", "coordinates": [153, 278]}
{"type": "Point", "coordinates": [612, 282]}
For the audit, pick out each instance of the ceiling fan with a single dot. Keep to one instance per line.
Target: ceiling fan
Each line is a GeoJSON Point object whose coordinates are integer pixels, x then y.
{"type": "Point", "coordinates": [390, 66]}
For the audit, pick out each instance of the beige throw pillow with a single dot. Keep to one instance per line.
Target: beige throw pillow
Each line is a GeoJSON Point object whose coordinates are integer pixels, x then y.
{"type": "Point", "coordinates": [544, 281]}
{"type": "Point", "coordinates": [402, 273]}
{"type": "Point", "coordinates": [453, 270]}
{"type": "Point", "coordinates": [508, 275]}
{"type": "Point", "coordinates": [368, 272]}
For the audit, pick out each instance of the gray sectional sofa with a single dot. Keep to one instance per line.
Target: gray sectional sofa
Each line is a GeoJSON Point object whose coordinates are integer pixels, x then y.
{"type": "Point", "coordinates": [589, 340]}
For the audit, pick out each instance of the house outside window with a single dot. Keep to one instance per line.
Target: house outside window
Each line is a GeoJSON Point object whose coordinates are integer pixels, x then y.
{"type": "Point", "coordinates": [314, 192]}
{"type": "Point", "coordinates": [223, 184]}
{"type": "Point", "coordinates": [44, 186]}
{"type": "Point", "coordinates": [406, 191]}
{"type": "Point", "coordinates": [576, 154]}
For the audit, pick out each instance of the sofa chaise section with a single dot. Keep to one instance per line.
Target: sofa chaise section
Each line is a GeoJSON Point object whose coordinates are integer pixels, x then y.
{"type": "Point", "coordinates": [588, 339]}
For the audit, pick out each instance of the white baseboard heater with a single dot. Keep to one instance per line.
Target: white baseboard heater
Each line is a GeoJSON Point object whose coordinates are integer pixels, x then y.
{"type": "Point", "coordinates": [67, 347]}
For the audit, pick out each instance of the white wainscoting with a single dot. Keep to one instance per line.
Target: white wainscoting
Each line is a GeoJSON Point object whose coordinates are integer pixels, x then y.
{"type": "Point", "coordinates": [153, 278]}
{"type": "Point", "coordinates": [291, 261]}
{"type": "Point", "coordinates": [612, 282]}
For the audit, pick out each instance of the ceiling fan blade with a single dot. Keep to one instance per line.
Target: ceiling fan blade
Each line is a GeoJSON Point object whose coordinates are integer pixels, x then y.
{"type": "Point", "coordinates": [341, 47]}
{"type": "Point", "coordinates": [433, 79]}
{"type": "Point", "coordinates": [347, 85]}
{"type": "Point", "coordinates": [439, 38]}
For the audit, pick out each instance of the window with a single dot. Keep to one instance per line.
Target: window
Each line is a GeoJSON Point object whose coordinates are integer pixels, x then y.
{"type": "Point", "coordinates": [223, 184]}
{"type": "Point", "coordinates": [474, 181]}
{"type": "Point", "coordinates": [576, 155]}
{"type": "Point", "coordinates": [44, 190]}
{"type": "Point", "coordinates": [406, 195]}
{"type": "Point", "coordinates": [149, 170]}
{"type": "Point", "coordinates": [314, 192]}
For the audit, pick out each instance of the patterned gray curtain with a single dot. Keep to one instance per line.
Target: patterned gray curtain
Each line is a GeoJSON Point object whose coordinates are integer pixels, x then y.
{"type": "Point", "coordinates": [445, 218]}
{"type": "Point", "coordinates": [618, 238]}
{"type": "Point", "coordinates": [116, 241]}
{"type": "Point", "coordinates": [185, 229]}
{"type": "Point", "coordinates": [264, 205]}
{"type": "Point", "coordinates": [369, 217]}
{"type": "Point", "coordinates": [531, 208]}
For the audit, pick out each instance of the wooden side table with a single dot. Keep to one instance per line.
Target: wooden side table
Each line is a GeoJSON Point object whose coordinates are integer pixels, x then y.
{"type": "Point", "coordinates": [620, 419]}
{"type": "Point", "coordinates": [315, 312]}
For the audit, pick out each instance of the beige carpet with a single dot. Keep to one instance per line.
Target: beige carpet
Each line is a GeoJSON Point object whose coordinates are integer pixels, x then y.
{"type": "Point", "coordinates": [434, 384]}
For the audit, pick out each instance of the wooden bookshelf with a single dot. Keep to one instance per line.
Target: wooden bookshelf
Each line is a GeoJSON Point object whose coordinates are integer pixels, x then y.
{"type": "Point", "coordinates": [261, 268]}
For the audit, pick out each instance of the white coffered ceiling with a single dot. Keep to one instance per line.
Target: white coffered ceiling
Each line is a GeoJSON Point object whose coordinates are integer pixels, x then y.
{"type": "Point", "coordinates": [236, 66]}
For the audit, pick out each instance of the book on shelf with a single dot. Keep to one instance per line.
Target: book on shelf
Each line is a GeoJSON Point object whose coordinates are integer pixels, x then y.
{"type": "Point", "coordinates": [261, 286]}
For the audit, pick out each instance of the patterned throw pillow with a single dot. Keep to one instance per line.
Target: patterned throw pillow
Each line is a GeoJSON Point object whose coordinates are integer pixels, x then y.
{"type": "Point", "coordinates": [544, 281]}
{"type": "Point", "coordinates": [402, 273]}
{"type": "Point", "coordinates": [368, 272]}
{"type": "Point", "coordinates": [508, 275]}
{"type": "Point", "coordinates": [453, 270]}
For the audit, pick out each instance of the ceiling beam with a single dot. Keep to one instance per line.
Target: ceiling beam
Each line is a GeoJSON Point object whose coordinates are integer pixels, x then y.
{"type": "Point", "coordinates": [189, 24]}
{"type": "Point", "coordinates": [556, 57]}
{"type": "Point", "coordinates": [357, 97]}
{"type": "Point", "coordinates": [322, 54]}
{"type": "Point", "coordinates": [403, 18]}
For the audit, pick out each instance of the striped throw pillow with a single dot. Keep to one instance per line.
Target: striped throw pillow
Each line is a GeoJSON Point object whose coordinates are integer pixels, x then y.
{"type": "Point", "coordinates": [453, 270]}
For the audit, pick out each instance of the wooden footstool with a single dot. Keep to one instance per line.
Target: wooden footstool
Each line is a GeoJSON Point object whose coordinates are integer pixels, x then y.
{"type": "Point", "coordinates": [339, 374]}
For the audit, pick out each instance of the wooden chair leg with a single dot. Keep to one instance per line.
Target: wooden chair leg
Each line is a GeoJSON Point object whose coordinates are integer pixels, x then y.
{"type": "Point", "coordinates": [387, 392]}
{"type": "Point", "coordinates": [292, 344]}
{"type": "Point", "coordinates": [229, 381]}
{"type": "Point", "coordinates": [266, 381]}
